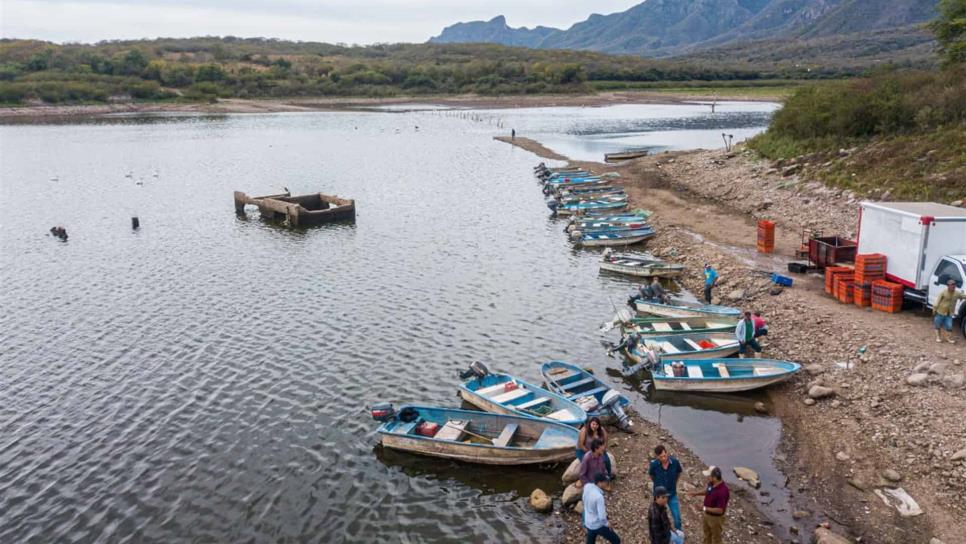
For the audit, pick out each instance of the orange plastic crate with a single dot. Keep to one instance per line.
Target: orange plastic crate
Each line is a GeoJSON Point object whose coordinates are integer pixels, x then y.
{"type": "Point", "coordinates": [830, 274]}
{"type": "Point", "coordinates": [862, 295]}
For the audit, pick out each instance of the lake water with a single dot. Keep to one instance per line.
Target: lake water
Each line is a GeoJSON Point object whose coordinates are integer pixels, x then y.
{"type": "Point", "coordinates": [205, 377]}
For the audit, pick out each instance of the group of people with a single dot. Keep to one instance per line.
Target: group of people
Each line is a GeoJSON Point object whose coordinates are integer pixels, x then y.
{"type": "Point", "coordinates": [750, 328]}
{"type": "Point", "coordinates": [664, 515]}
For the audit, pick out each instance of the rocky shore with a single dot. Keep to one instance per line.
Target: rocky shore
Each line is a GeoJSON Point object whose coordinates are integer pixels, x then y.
{"type": "Point", "coordinates": [880, 406]}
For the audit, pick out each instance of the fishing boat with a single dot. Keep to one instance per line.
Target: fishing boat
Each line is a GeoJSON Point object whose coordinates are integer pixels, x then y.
{"type": "Point", "coordinates": [627, 154]}
{"type": "Point", "coordinates": [721, 375]}
{"type": "Point", "coordinates": [613, 229]}
{"type": "Point", "coordinates": [591, 221]}
{"type": "Point", "coordinates": [683, 308]}
{"type": "Point", "coordinates": [662, 326]}
{"type": "Point", "coordinates": [590, 393]}
{"type": "Point", "coordinates": [475, 437]}
{"type": "Point", "coordinates": [612, 238]}
{"type": "Point", "coordinates": [567, 198]}
{"type": "Point", "coordinates": [598, 215]}
{"type": "Point", "coordinates": [589, 192]}
{"type": "Point", "coordinates": [638, 266]}
{"type": "Point", "coordinates": [695, 345]}
{"type": "Point", "coordinates": [578, 207]}
{"type": "Point", "coordinates": [505, 394]}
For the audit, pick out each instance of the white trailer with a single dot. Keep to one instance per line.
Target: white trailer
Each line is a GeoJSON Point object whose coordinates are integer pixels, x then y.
{"type": "Point", "coordinates": [924, 244]}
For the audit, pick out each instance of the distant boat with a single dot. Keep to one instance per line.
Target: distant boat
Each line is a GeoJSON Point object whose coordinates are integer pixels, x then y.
{"type": "Point", "coordinates": [682, 308]}
{"type": "Point", "coordinates": [663, 326]}
{"type": "Point", "coordinates": [505, 394]}
{"type": "Point", "coordinates": [586, 390]}
{"type": "Point", "coordinates": [571, 198]}
{"type": "Point", "coordinates": [478, 437]}
{"type": "Point", "coordinates": [633, 265]}
{"type": "Point", "coordinates": [602, 204]}
{"type": "Point", "coordinates": [626, 155]}
{"type": "Point", "coordinates": [613, 238]}
{"type": "Point", "coordinates": [697, 345]}
{"type": "Point", "coordinates": [721, 375]}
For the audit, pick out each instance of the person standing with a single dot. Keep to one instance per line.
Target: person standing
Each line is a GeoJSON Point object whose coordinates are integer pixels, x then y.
{"type": "Point", "coordinates": [944, 309]}
{"type": "Point", "coordinates": [658, 522]}
{"type": "Point", "coordinates": [513, 134]}
{"type": "Point", "coordinates": [745, 333]}
{"type": "Point", "coordinates": [665, 470]}
{"type": "Point", "coordinates": [710, 281]}
{"type": "Point", "coordinates": [595, 513]}
{"type": "Point", "coordinates": [716, 497]}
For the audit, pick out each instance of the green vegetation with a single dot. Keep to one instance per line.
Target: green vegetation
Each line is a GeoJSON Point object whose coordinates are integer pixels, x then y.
{"type": "Point", "coordinates": [950, 30]}
{"type": "Point", "coordinates": [211, 68]}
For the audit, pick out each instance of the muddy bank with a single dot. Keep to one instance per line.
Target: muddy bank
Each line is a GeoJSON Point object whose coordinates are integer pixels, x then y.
{"type": "Point", "coordinates": [238, 105]}
{"type": "Point", "coordinates": [835, 450]}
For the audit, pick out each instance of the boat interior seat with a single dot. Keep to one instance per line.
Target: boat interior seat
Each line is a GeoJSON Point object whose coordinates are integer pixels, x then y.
{"type": "Point", "coordinates": [503, 440]}
{"type": "Point", "coordinates": [662, 327]}
{"type": "Point", "coordinates": [722, 342]}
{"type": "Point", "coordinates": [668, 371]}
{"type": "Point", "coordinates": [560, 374]}
{"type": "Point", "coordinates": [722, 370]}
{"type": "Point", "coordinates": [452, 430]}
{"type": "Point", "coordinates": [766, 371]}
{"type": "Point", "coordinates": [592, 392]}
{"type": "Point", "coordinates": [693, 344]}
{"type": "Point", "coordinates": [406, 428]}
{"type": "Point", "coordinates": [668, 347]}
{"type": "Point", "coordinates": [695, 372]}
{"type": "Point", "coordinates": [493, 389]}
{"type": "Point", "coordinates": [685, 326]}
{"type": "Point", "coordinates": [532, 403]}
{"type": "Point", "coordinates": [560, 415]}
{"type": "Point", "coordinates": [577, 383]}
{"type": "Point", "coordinates": [510, 395]}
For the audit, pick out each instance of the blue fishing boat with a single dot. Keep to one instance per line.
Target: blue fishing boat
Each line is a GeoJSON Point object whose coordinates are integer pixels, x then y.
{"type": "Point", "coordinates": [577, 207]}
{"type": "Point", "coordinates": [614, 228]}
{"type": "Point", "coordinates": [593, 395]}
{"type": "Point", "coordinates": [574, 199]}
{"type": "Point", "coordinates": [592, 189]}
{"type": "Point", "coordinates": [505, 394]}
{"type": "Point", "coordinates": [612, 238]}
{"type": "Point", "coordinates": [720, 375]}
{"type": "Point", "coordinates": [474, 437]}
{"type": "Point", "coordinates": [683, 308]}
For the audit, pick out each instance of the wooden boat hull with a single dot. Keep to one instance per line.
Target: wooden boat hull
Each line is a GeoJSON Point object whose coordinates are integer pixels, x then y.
{"type": "Point", "coordinates": [673, 310]}
{"type": "Point", "coordinates": [626, 155]}
{"type": "Point", "coordinates": [595, 387]}
{"type": "Point", "coordinates": [649, 271]}
{"type": "Point", "coordinates": [549, 442]}
{"type": "Point", "coordinates": [736, 382]}
{"type": "Point", "coordinates": [687, 346]}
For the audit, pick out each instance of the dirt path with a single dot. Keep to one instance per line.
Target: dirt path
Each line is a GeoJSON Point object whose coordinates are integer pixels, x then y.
{"type": "Point", "coordinates": [836, 449]}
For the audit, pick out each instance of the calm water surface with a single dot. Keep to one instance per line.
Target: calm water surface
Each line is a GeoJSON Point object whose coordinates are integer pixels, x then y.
{"type": "Point", "coordinates": [204, 378]}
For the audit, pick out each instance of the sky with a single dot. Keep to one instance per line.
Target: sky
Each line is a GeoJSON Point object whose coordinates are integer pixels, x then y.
{"type": "Point", "coordinates": [332, 21]}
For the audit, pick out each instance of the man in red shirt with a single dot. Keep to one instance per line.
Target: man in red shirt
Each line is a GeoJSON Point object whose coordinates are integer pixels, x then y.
{"type": "Point", "coordinates": [716, 497]}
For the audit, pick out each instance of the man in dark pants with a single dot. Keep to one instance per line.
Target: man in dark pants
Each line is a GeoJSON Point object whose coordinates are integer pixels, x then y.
{"type": "Point", "coordinates": [664, 471]}
{"type": "Point", "coordinates": [745, 333]}
{"type": "Point", "coordinates": [595, 513]}
{"type": "Point", "coordinates": [710, 280]}
{"type": "Point", "coordinates": [658, 522]}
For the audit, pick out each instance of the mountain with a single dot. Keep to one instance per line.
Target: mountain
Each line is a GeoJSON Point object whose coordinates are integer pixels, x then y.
{"type": "Point", "coordinates": [661, 28]}
{"type": "Point", "coordinates": [494, 31]}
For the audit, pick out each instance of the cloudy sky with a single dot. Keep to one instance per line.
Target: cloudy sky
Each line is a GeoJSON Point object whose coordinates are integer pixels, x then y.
{"type": "Point", "coordinates": [349, 21]}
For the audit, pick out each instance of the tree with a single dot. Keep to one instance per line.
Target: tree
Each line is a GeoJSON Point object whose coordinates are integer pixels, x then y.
{"type": "Point", "coordinates": [950, 30]}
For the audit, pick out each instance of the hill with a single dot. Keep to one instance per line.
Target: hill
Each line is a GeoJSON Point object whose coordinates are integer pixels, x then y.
{"type": "Point", "coordinates": [665, 28]}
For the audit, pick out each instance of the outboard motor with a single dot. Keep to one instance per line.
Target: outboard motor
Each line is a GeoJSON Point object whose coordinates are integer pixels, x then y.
{"type": "Point", "coordinates": [611, 402]}
{"type": "Point", "coordinates": [576, 234]}
{"type": "Point", "coordinates": [476, 370]}
{"type": "Point", "coordinates": [382, 411]}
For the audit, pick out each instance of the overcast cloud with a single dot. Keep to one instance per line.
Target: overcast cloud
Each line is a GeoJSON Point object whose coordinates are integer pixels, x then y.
{"type": "Point", "coordinates": [333, 21]}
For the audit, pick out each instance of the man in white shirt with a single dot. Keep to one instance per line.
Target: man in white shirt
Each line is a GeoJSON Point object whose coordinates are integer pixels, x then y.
{"type": "Point", "coordinates": [595, 513]}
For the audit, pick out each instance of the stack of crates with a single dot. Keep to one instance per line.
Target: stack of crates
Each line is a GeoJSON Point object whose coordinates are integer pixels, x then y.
{"type": "Point", "coordinates": [886, 296]}
{"type": "Point", "coordinates": [830, 273]}
{"type": "Point", "coordinates": [766, 236]}
{"type": "Point", "coordinates": [842, 287]}
{"type": "Point", "coordinates": [862, 294]}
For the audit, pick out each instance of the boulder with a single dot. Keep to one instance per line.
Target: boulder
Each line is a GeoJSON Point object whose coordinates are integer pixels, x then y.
{"type": "Point", "coordinates": [761, 408]}
{"type": "Point", "coordinates": [571, 495]}
{"type": "Point", "coordinates": [736, 295]}
{"type": "Point", "coordinates": [842, 456]}
{"type": "Point", "coordinates": [540, 501]}
{"type": "Point", "coordinates": [918, 379]}
{"type": "Point", "coordinates": [959, 455]}
{"type": "Point", "coordinates": [579, 507]}
{"type": "Point", "coordinates": [748, 475]}
{"type": "Point", "coordinates": [938, 368]}
{"type": "Point", "coordinates": [814, 369]}
{"type": "Point", "coordinates": [809, 402]}
{"type": "Point", "coordinates": [954, 381]}
{"type": "Point", "coordinates": [826, 536]}
{"type": "Point", "coordinates": [572, 473]}
{"type": "Point", "coordinates": [891, 475]}
{"type": "Point", "coordinates": [613, 463]}
{"type": "Point", "coordinates": [820, 392]}
{"type": "Point", "coordinates": [800, 514]}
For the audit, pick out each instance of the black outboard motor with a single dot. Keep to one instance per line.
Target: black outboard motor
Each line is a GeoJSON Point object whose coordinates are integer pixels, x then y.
{"type": "Point", "coordinates": [476, 370]}
{"type": "Point", "coordinates": [382, 411]}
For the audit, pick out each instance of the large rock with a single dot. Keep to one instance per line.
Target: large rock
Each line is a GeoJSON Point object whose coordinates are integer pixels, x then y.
{"type": "Point", "coordinates": [736, 295]}
{"type": "Point", "coordinates": [571, 495]}
{"type": "Point", "coordinates": [613, 463]}
{"type": "Point", "coordinates": [748, 475]}
{"type": "Point", "coordinates": [918, 379]}
{"type": "Point", "coordinates": [891, 475]}
{"type": "Point", "coordinates": [959, 455]}
{"type": "Point", "coordinates": [572, 473]}
{"type": "Point", "coordinates": [579, 507]}
{"type": "Point", "coordinates": [540, 501]}
{"type": "Point", "coordinates": [826, 536]}
{"type": "Point", "coordinates": [954, 381]}
{"type": "Point", "coordinates": [820, 392]}
{"type": "Point", "coordinates": [814, 369]}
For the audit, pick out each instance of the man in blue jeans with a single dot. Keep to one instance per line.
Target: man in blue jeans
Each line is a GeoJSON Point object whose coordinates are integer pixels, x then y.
{"type": "Point", "coordinates": [595, 514]}
{"type": "Point", "coordinates": [665, 471]}
{"type": "Point", "coordinates": [710, 281]}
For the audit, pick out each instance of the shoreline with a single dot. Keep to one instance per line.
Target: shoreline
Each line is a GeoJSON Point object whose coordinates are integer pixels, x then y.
{"type": "Point", "coordinates": [237, 105]}
{"type": "Point", "coordinates": [832, 451]}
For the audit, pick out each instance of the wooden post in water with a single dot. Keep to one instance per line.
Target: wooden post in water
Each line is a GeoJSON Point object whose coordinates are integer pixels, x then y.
{"type": "Point", "coordinates": [135, 223]}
